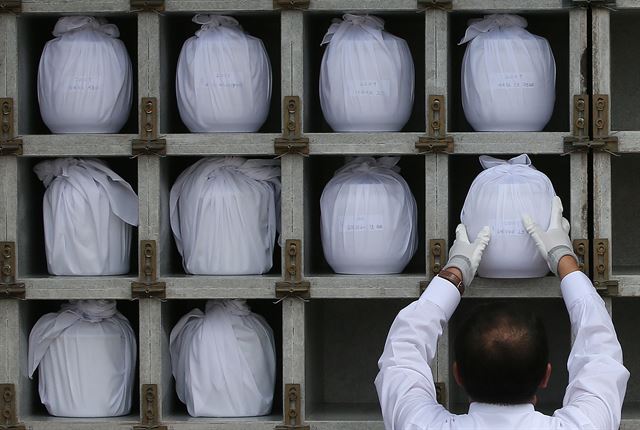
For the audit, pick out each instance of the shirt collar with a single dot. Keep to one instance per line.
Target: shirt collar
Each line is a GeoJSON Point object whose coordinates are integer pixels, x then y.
{"type": "Point", "coordinates": [492, 408]}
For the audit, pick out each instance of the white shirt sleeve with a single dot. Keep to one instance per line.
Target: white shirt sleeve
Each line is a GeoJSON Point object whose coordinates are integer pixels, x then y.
{"type": "Point", "coordinates": [597, 378]}
{"type": "Point", "coordinates": [405, 383]}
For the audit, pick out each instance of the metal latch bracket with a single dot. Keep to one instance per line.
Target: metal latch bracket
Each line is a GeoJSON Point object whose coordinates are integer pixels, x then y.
{"type": "Point", "coordinates": [148, 286]}
{"type": "Point", "coordinates": [581, 249]}
{"type": "Point", "coordinates": [435, 4]}
{"type": "Point", "coordinates": [436, 139]}
{"type": "Point", "coordinates": [147, 5]}
{"type": "Point", "coordinates": [9, 145]}
{"type": "Point", "coordinates": [293, 285]}
{"type": "Point", "coordinates": [580, 139]}
{"type": "Point", "coordinates": [292, 141]}
{"type": "Point", "coordinates": [149, 404]}
{"type": "Point", "coordinates": [149, 143]}
{"type": "Point", "coordinates": [8, 410]}
{"type": "Point", "coordinates": [292, 408]}
{"type": "Point", "coordinates": [9, 287]}
{"type": "Point", "coordinates": [601, 274]}
{"type": "Point", "coordinates": [291, 4]}
{"type": "Point", "coordinates": [10, 6]}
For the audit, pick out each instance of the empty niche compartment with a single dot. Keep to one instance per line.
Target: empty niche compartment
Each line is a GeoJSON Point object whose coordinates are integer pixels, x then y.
{"type": "Point", "coordinates": [339, 384]}
{"type": "Point", "coordinates": [34, 31]}
{"type": "Point", "coordinates": [318, 171]}
{"type": "Point", "coordinates": [625, 64]}
{"type": "Point", "coordinates": [553, 26]}
{"type": "Point", "coordinates": [625, 240]}
{"type": "Point", "coordinates": [408, 26]}
{"type": "Point", "coordinates": [626, 320]}
{"type": "Point", "coordinates": [172, 311]}
{"type": "Point", "coordinates": [32, 260]}
{"type": "Point", "coordinates": [170, 259]}
{"type": "Point", "coordinates": [175, 29]}
{"type": "Point", "coordinates": [556, 322]}
{"type": "Point", "coordinates": [463, 169]}
{"type": "Point", "coordinates": [31, 408]}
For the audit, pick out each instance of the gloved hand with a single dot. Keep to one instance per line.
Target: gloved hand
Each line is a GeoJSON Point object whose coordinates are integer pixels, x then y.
{"type": "Point", "coordinates": [554, 243]}
{"type": "Point", "coordinates": [466, 256]}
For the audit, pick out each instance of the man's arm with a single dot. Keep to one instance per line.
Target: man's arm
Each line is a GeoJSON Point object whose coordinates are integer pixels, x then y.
{"type": "Point", "coordinates": [405, 384]}
{"type": "Point", "coordinates": [597, 377]}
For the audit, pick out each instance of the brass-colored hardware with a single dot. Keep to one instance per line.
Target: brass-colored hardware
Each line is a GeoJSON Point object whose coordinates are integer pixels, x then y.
{"type": "Point", "coordinates": [293, 285]}
{"type": "Point", "coordinates": [292, 409]}
{"type": "Point", "coordinates": [437, 255]}
{"type": "Point", "coordinates": [436, 139]}
{"type": "Point", "coordinates": [292, 141]}
{"type": "Point", "coordinates": [149, 143]}
{"type": "Point", "coordinates": [601, 271]}
{"type": "Point", "coordinates": [291, 4]}
{"type": "Point", "coordinates": [147, 5]}
{"type": "Point", "coordinates": [441, 393]}
{"type": "Point", "coordinates": [580, 139]}
{"type": "Point", "coordinates": [150, 418]}
{"type": "Point", "coordinates": [9, 145]}
{"type": "Point", "coordinates": [148, 286]}
{"type": "Point", "coordinates": [10, 6]}
{"type": "Point", "coordinates": [8, 414]}
{"type": "Point", "coordinates": [581, 249]}
{"type": "Point", "coordinates": [9, 288]}
{"type": "Point", "coordinates": [435, 4]}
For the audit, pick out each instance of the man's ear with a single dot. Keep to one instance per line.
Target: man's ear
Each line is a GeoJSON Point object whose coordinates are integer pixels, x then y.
{"type": "Point", "coordinates": [545, 379]}
{"type": "Point", "coordinates": [456, 374]}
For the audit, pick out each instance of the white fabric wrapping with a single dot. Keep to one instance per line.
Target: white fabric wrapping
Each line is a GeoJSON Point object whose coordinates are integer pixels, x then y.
{"type": "Point", "coordinates": [223, 82]}
{"type": "Point", "coordinates": [224, 361]}
{"type": "Point", "coordinates": [366, 76]}
{"type": "Point", "coordinates": [87, 359]}
{"type": "Point", "coordinates": [368, 218]}
{"type": "Point", "coordinates": [508, 76]}
{"type": "Point", "coordinates": [225, 215]}
{"type": "Point", "coordinates": [85, 78]}
{"type": "Point", "coordinates": [88, 213]}
{"type": "Point", "coordinates": [498, 198]}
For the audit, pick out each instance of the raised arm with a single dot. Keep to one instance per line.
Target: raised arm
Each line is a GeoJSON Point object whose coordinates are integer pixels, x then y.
{"type": "Point", "coordinates": [597, 378]}
{"type": "Point", "coordinates": [405, 382]}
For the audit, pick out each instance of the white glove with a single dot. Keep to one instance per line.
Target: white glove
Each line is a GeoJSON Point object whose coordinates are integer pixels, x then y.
{"type": "Point", "coordinates": [554, 243]}
{"type": "Point", "coordinates": [466, 256]}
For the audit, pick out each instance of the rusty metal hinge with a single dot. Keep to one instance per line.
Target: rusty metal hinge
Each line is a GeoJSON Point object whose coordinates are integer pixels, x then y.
{"type": "Point", "coordinates": [293, 285]}
{"type": "Point", "coordinates": [9, 288]}
{"type": "Point", "coordinates": [292, 141]}
{"type": "Point", "coordinates": [602, 141]}
{"type": "Point", "coordinates": [149, 143]}
{"type": "Point", "coordinates": [9, 145]}
{"type": "Point", "coordinates": [292, 409]}
{"type": "Point", "coordinates": [436, 139]}
{"type": "Point", "coordinates": [147, 5]}
{"type": "Point", "coordinates": [580, 139]}
{"type": "Point", "coordinates": [8, 414]}
{"type": "Point", "coordinates": [148, 286]}
{"type": "Point", "coordinates": [10, 6]}
{"type": "Point", "coordinates": [581, 249]}
{"type": "Point", "coordinates": [601, 273]}
{"type": "Point", "coordinates": [150, 418]}
{"type": "Point", "coordinates": [435, 4]}
{"type": "Point", "coordinates": [441, 393]}
{"type": "Point", "coordinates": [291, 4]}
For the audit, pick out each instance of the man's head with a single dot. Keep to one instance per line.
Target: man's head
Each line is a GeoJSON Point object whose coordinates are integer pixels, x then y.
{"type": "Point", "coordinates": [501, 355]}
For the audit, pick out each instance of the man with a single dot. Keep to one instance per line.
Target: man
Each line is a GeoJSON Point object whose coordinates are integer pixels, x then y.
{"type": "Point", "coordinates": [507, 346]}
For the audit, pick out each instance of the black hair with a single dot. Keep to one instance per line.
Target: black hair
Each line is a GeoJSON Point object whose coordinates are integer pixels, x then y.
{"type": "Point", "coordinates": [502, 354]}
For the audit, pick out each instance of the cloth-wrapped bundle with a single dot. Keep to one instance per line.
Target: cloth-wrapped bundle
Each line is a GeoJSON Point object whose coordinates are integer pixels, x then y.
{"type": "Point", "coordinates": [368, 218]}
{"type": "Point", "coordinates": [223, 82]}
{"type": "Point", "coordinates": [498, 197]}
{"type": "Point", "coordinates": [88, 213]}
{"type": "Point", "coordinates": [224, 361]}
{"type": "Point", "coordinates": [366, 76]}
{"type": "Point", "coordinates": [225, 215]}
{"type": "Point", "coordinates": [85, 77]}
{"type": "Point", "coordinates": [508, 76]}
{"type": "Point", "coordinates": [86, 354]}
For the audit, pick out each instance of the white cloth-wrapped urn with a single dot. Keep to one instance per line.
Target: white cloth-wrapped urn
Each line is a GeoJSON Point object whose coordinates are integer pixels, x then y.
{"type": "Point", "coordinates": [366, 76]}
{"type": "Point", "coordinates": [508, 76]}
{"type": "Point", "coordinates": [368, 218]}
{"type": "Point", "coordinates": [223, 81]}
{"type": "Point", "coordinates": [88, 212]}
{"type": "Point", "coordinates": [85, 77]}
{"type": "Point", "coordinates": [86, 355]}
{"type": "Point", "coordinates": [499, 197]}
{"type": "Point", "coordinates": [224, 361]}
{"type": "Point", "coordinates": [225, 215]}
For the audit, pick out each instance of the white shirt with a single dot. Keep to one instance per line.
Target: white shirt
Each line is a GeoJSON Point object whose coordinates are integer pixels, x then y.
{"type": "Point", "coordinates": [597, 378]}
